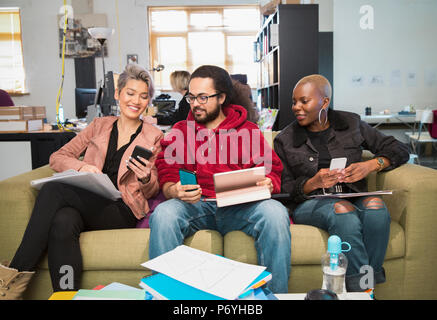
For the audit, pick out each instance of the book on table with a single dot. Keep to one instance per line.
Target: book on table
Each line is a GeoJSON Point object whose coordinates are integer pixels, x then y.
{"type": "Point", "coordinates": [163, 287]}
{"type": "Point", "coordinates": [239, 186]}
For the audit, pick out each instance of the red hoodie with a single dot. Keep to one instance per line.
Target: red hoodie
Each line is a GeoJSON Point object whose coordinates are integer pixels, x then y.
{"type": "Point", "coordinates": [235, 144]}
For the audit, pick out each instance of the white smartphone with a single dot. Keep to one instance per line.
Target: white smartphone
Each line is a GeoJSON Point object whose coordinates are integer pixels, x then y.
{"type": "Point", "coordinates": [338, 164]}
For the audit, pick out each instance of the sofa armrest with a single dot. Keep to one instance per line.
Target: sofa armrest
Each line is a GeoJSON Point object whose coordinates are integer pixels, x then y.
{"type": "Point", "coordinates": [414, 205]}
{"type": "Point", "coordinates": [414, 198]}
{"type": "Point", "coordinates": [17, 199]}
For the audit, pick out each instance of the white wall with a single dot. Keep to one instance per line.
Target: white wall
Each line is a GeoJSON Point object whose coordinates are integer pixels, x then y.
{"type": "Point", "coordinates": [41, 56]}
{"type": "Point", "coordinates": [326, 15]}
{"type": "Point", "coordinates": [402, 42]}
{"type": "Point", "coordinates": [41, 52]}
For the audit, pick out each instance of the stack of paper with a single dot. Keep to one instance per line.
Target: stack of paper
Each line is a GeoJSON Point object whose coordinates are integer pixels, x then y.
{"type": "Point", "coordinates": [113, 291]}
{"type": "Point", "coordinates": [162, 287]}
{"type": "Point", "coordinates": [189, 274]}
{"type": "Point", "coordinates": [98, 183]}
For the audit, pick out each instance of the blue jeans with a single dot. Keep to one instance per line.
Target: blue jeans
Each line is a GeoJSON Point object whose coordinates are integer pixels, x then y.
{"type": "Point", "coordinates": [367, 231]}
{"type": "Point", "coordinates": [267, 221]}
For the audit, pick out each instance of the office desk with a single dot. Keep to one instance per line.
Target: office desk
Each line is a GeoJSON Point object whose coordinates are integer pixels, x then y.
{"type": "Point", "coordinates": [379, 119]}
{"type": "Point", "coordinates": [42, 145]}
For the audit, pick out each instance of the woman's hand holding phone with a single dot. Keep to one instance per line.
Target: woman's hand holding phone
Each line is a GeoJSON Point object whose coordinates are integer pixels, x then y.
{"type": "Point", "coordinates": [141, 167]}
{"type": "Point", "coordinates": [139, 164]}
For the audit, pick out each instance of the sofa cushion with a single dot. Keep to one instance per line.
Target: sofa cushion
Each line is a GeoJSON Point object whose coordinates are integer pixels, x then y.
{"type": "Point", "coordinates": [307, 245]}
{"type": "Point", "coordinates": [126, 249]}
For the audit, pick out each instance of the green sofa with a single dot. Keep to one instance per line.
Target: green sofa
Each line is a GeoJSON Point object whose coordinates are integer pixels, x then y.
{"type": "Point", "coordinates": [116, 255]}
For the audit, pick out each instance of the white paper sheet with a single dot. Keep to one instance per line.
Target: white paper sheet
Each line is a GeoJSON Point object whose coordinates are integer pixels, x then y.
{"type": "Point", "coordinates": [214, 274]}
{"type": "Point", "coordinates": [95, 182]}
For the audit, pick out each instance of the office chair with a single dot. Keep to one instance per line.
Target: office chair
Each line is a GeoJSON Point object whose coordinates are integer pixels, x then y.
{"type": "Point", "coordinates": [5, 99]}
{"type": "Point", "coordinates": [423, 119]}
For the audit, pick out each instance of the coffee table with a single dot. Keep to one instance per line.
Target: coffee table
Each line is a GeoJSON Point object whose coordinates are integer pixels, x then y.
{"type": "Point", "coordinates": [345, 296]}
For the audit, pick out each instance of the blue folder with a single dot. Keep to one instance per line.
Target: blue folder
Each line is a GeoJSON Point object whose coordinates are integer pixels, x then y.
{"type": "Point", "coordinates": [166, 288]}
{"type": "Point", "coordinates": [163, 287]}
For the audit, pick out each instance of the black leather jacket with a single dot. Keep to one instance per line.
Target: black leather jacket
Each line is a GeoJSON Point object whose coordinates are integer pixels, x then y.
{"type": "Point", "coordinates": [349, 137]}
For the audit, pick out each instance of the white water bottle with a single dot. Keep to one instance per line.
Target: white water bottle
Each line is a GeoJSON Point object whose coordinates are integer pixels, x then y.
{"type": "Point", "coordinates": [61, 119]}
{"type": "Point", "coordinates": [334, 266]}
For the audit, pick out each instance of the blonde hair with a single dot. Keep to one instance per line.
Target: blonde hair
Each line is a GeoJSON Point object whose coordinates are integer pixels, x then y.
{"type": "Point", "coordinates": [320, 82]}
{"type": "Point", "coordinates": [179, 80]}
{"type": "Point", "coordinates": [134, 71]}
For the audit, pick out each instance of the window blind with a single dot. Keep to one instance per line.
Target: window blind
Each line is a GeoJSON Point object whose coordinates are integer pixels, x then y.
{"type": "Point", "coordinates": [11, 53]}
{"type": "Point", "coordinates": [183, 38]}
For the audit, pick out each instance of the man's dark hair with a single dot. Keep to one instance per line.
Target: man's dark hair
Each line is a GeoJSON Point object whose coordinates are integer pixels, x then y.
{"type": "Point", "coordinates": [222, 80]}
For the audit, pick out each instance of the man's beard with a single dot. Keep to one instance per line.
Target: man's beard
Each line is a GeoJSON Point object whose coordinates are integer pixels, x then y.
{"type": "Point", "coordinates": [208, 117]}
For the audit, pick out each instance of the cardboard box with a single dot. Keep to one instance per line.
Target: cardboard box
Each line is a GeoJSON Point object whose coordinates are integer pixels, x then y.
{"type": "Point", "coordinates": [21, 125]}
{"type": "Point", "coordinates": [39, 112]}
{"type": "Point", "coordinates": [35, 125]}
{"type": "Point", "coordinates": [11, 113]}
{"type": "Point", "coordinates": [22, 113]}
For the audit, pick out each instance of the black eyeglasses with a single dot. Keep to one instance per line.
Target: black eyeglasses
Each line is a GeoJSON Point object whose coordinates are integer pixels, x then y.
{"type": "Point", "coordinates": [200, 98]}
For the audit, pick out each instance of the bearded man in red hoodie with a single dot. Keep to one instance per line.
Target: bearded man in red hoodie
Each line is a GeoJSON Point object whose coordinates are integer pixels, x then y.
{"type": "Point", "coordinates": [215, 138]}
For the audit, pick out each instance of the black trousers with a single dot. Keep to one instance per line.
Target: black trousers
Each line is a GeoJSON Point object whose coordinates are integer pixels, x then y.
{"type": "Point", "coordinates": [60, 214]}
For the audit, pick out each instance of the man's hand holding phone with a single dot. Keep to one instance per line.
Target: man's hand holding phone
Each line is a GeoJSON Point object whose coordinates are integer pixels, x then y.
{"type": "Point", "coordinates": [187, 188]}
{"type": "Point", "coordinates": [188, 193]}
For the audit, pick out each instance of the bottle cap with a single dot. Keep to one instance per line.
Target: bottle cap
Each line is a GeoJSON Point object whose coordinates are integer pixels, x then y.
{"type": "Point", "coordinates": [321, 294]}
{"type": "Point", "coordinates": [334, 245]}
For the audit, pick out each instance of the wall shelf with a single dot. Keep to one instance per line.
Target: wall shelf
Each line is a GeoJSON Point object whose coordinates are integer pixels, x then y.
{"type": "Point", "coordinates": [286, 50]}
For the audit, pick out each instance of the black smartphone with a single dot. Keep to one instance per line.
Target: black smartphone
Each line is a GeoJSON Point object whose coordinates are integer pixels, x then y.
{"type": "Point", "coordinates": [142, 152]}
{"type": "Point", "coordinates": [187, 177]}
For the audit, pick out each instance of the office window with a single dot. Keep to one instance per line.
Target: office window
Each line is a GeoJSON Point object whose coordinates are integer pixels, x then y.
{"type": "Point", "coordinates": [11, 51]}
{"type": "Point", "coordinates": [185, 38]}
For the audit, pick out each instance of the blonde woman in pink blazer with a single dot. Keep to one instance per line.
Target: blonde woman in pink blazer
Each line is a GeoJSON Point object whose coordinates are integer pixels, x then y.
{"type": "Point", "coordinates": [63, 211]}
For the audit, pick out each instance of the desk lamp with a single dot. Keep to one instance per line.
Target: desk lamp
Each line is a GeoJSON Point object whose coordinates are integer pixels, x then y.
{"type": "Point", "coordinates": [101, 34]}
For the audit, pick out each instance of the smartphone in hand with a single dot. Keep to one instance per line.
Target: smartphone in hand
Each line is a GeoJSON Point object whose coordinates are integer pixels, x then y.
{"type": "Point", "coordinates": [142, 152]}
{"type": "Point", "coordinates": [338, 164]}
{"type": "Point", "coordinates": [187, 177]}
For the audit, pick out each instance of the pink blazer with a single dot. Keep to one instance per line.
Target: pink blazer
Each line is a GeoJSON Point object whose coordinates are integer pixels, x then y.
{"type": "Point", "coordinates": [95, 139]}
